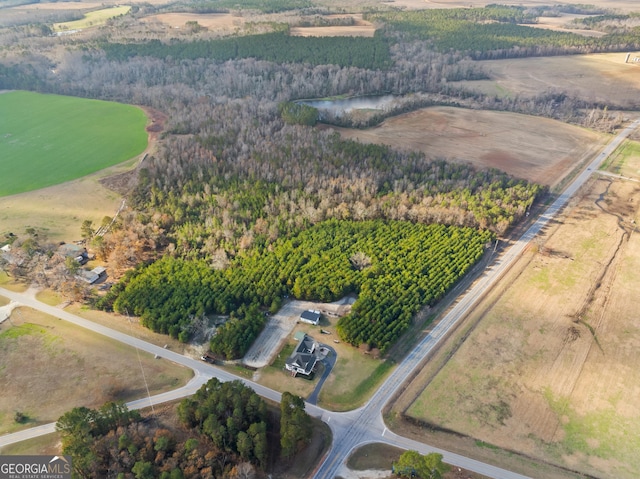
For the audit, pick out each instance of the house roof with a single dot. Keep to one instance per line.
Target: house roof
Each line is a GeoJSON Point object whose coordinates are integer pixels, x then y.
{"type": "Point", "coordinates": [312, 316]}
{"type": "Point", "coordinates": [72, 250]}
{"type": "Point", "coordinates": [87, 276]}
{"type": "Point", "coordinates": [99, 270]}
{"type": "Point", "coordinates": [302, 357]}
{"type": "Point", "coordinates": [303, 361]}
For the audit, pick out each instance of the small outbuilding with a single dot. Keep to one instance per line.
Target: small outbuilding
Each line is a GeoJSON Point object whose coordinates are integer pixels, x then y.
{"type": "Point", "coordinates": [92, 276]}
{"type": "Point", "coordinates": [310, 317]}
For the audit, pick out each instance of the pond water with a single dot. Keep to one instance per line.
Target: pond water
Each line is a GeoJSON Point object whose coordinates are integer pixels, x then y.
{"type": "Point", "coordinates": [338, 107]}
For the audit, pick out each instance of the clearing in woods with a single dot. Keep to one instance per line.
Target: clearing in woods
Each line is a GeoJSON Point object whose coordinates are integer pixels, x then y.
{"type": "Point", "coordinates": [533, 148]}
{"type": "Point", "coordinates": [552, 371]}
{"type": "Point", "coordinates": [214, 21]}
{"type": "Point", "coordinates": [360, 28]}
{"type": "Point", "coordinates": [50, 366]}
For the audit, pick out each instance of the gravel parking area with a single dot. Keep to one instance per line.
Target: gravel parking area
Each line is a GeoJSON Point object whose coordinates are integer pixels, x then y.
{"type": "Point", "coordinates": [282, 323]}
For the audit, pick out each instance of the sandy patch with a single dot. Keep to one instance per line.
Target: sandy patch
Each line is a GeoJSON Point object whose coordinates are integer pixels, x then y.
{"type": "Point", "coordinates": [536, 149]}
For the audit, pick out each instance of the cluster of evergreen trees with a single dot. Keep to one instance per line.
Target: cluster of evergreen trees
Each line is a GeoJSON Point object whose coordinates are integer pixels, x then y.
{"type": "Point", "coordinates": [483, 32]}
{"type": "Point", "coordinates": [232, 415]}
{"type": "Point", "coordinates": [278, 47]}
{"type": "Point", "coordinates": [226, 432]}
{"type": "Point", "coordinates": [396, 268]}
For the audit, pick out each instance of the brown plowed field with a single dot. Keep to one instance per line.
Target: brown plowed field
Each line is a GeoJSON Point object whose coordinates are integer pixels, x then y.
{"type": "Point", "coordinates": [603, 77]}
{"type": "Point", "coordinates": [536, 149]}
{"type": "Point", "coordinates": [215, 21]}
{"type": "Point", "coordinates": [552, 370]}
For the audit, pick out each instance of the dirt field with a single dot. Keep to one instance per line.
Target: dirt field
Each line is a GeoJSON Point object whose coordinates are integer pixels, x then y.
{"type": "Point", "coordinates": [360, 28]}
{"type": "Point", "coordinates": [214, 21]}
{"type": "Point", "coordinates": [552, 371]}
{"type": "Point", "coordinates": [537, 149]}
{"type": "Point", "coordinates": [50, 366]}
{"type": "Point", "coordinates": [561, 24]}
{"type": "Point", "coordinates": [601, 77]}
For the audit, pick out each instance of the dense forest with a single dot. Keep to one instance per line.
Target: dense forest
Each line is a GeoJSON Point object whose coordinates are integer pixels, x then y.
{"type": "Point", "coordinates": [498, 31]}
{"type": "Point", "coordinates": [395, 268]}
{"type": "Point", "coordinates": [278, 47]}
{"type": "Point", "coordinates": [224, 431]}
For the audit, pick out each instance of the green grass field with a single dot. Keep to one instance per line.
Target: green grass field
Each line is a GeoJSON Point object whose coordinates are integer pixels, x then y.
{"type": "Point", "coordinates": [48, 139]}
{"type": "Point", "coordinates": [93, 19]}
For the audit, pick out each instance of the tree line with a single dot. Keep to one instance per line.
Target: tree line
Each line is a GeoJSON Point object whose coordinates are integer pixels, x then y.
{"type": "Point", "coordinates": [496, 32]}
{"type": "Point", "coordinates": [278, 47]}
{"type": "Point", "coordinates": [395, 267]}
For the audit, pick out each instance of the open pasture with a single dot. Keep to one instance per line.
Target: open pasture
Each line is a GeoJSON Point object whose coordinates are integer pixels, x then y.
{"type": "Point", "coordinates": [93, 19]}
{"type": "Point", "coordinates": [537, 149]}
{"type": "Point", "coordinates": [57, 212]}
{"type": "Point", "coordinates": [551, 370]}
{"type": "Point", "coordinates": [48, 139]}
{"type": "Point", "coordinates": [50, 366]}
{"type": "Point", "coordinates": [603, 77]}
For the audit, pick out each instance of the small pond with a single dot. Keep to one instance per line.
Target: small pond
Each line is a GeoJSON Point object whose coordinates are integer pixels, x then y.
{"type": "Point", "coordinates": [346, 105]}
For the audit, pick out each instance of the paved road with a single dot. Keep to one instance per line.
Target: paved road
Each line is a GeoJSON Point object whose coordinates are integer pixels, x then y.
{"type": "Point", "coordinates": [363, 425]}
{"type": "Point", "coordinates": [367, 423]}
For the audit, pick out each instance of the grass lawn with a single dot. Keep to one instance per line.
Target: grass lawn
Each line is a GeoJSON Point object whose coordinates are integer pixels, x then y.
{"type": "Point", "coordinates": [49, 444]}
{"type": "Point", "coordinates": [93, 19]}
{"type": "Point", "coordinates": [49, 139]}
{"type": "Point", "coordinates": [49, 297]}
{"type": "Point", "coordinates": [50, 366]}
{"type": "Point", "coordinates": [625, 161]}
{"type": "Point", "coordinates": [9, 283]}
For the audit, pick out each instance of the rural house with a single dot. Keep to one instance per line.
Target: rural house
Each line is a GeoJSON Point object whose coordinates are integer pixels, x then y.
{"type": "Point", "coordinates": [303, 358]}
{"type": "Point", "coordinates": [310, 317]}
{"type": "Point", "coordinates": [92, 276]}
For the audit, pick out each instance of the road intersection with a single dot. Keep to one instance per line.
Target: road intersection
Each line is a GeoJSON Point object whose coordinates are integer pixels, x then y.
{"type": "Point", "coordinates": [364, 425]}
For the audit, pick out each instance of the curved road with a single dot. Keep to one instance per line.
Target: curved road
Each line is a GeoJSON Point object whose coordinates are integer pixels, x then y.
{"type": "Point", "coordinates": [364, 425]}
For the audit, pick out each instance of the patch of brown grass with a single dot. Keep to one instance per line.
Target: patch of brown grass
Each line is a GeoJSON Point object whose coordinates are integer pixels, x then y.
{"type": "Point", "coordinates": [50, 366]}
